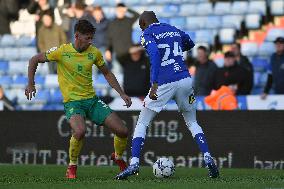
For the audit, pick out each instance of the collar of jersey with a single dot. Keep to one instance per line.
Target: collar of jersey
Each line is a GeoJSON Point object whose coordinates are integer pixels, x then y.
{"type": "Point", "coordinates": [157, 23]}
{"type": "Point", "coordinates": [76, 49]}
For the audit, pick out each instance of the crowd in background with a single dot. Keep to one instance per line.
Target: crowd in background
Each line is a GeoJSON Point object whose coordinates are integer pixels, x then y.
{"type": "Point", "coordinates": [114, 39]}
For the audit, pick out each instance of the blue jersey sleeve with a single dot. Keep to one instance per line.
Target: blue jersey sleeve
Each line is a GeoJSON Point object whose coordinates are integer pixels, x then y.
{"type": "Point", "coordinates": [151, 47]}
{"type": "Point", "coordinates": [187, 43]}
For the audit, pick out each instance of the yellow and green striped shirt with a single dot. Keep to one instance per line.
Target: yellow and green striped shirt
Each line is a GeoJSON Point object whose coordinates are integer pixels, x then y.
{"type": "Point", "coordinates": [74, 70]}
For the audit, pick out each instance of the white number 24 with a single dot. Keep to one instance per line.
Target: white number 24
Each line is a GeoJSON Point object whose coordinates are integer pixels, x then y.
{"type": "Point", "coordinates": [177, 51]}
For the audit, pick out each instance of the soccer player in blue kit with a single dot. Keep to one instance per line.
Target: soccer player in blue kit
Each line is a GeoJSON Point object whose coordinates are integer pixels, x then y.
{"type": "Point", "coordinates": [170, 79]}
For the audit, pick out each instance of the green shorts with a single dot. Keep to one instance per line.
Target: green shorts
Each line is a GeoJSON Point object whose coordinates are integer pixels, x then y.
{"type": "Point", "coordinates": [93, 108]}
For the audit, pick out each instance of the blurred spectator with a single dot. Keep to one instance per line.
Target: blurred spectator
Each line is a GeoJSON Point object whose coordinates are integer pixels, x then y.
{"type": "Point", "coordinates": [275, 77]}
{"type": "Point", "coordinates": [120, 33]}
{"type": "Point", "coordinates": [9, 11]}
{"type": "Point", "coordinates": [78, 12]}
{"type": "Point", "coordinates": [204, 73]}
{"type": "Point", "coordinates": [101, 25]}
{"type": "Point", "coordinates": [244, 62]}
{"type": "Point", "coordinates": [50, 35]}
{"type": "Point", "coordinates": [39, 7]}
{"type": "Point", "coordinates": [223, 98]}
{"type": "Point", "coordinates": [230, 74]}
{"type": "Point", "coordinates": [136, 80]}
{"type": "Point", "coordinates": [8, 105]}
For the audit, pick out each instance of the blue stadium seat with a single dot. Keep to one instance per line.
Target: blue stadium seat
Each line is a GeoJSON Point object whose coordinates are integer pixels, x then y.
{"type": "Point", "coordinates": [258, 7]}
{"type": "Point", "coordinates": [20, 81]}
{"type": "Point", "coordinates": [136, 36]}
{"type": "Point", "coordinates": [6, 81]}
{"type": "Point", "coordinates": [213, 22]}
{"type": "Point", "coordinates": [204, 36]}
{"type": "Point", "coordinates": [42, 96]}
{"type": "Point", "coordinates": [274, 33]}
{"type": "Point", "coordinates": [232, 21]}
{"type": "Point", "coordinates": [24, 41]}
{"type": "Point", "coordinates": [277, 7]}
{"type": "Point", "coordinates": [266, 49]}
{"type": "Point", "coordinates": [11, 53]}
{"type": "Point", "coordinates": [249, 48]}
{"type": "Point", "coordinates": [170, 10]}
{"type": "Point", "coordinates": [195, 23]}
{"type": "Point", "coordinates": [253, 21]}
{"type": "Point", "coordinates": [18, 67]}
{"type": "Point", "coordinates": [25, 53]}
{"type": "Point", "coordinates": [239, 7]}
{"type": "Point", "coordinates": [260, 64]}
{"type": "Point", "coordinates": [191, 34]}
{"type": "Point", "coordinates": [39, 80]}
{"type": "Point", "coordinates": [164, 20]}
{"type": "Point", "coordinates": [4, 66]}
{"type": "Point", "coordinates": [187, 10]}
{"type": "Point", "coordinates": [179, 22]}
{"type": "Point", "coordinates": [227, 35]}
{"type": "Point", "coordinates": [204, 9]}
{"type": "Point", "coordinates": [222, 8]}
{"type": "Point", "coordinates": [7, 40]}
{"type": "Point", "coordinates": [56, 96]}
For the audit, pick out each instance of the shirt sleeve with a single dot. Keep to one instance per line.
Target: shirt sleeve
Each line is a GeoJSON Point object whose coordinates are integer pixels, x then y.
{"type": "Point", "coordinates": [99, 59]}
{"type": "Point", "coordinates": [187, 43]}
{"type": "Point", "coordinates": [151, 47]}
{"type": "Point", "coordinates": [54, 54]}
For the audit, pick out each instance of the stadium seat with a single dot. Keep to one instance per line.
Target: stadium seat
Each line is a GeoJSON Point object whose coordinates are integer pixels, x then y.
{"type": "Point", "coordinates": [170, 10]}
{"type": "Point", "coordinates": [131, 2]}
{"type": "Point", "coordinates": [7, 40]}
{"type": "Point", "coordinates": [239, 7]}
{"type": "Point", "coordinates": [158, 9]}
{"type": "Point", "coordinates": [40, 81]}
{"type": "Point", "coordinates": [25, 53]}
{"type": "Point", "coordinates": [258, 7]}
{"type": "Point", "coordinates": [4, 66]}
{"type": "Point", "coordinates": [179, 22]}
{"type": "Point", "coordinates": [18, 67]}
{"type": "Point", "coordinates": [187, 10]}
{"type": "Point", "coordinates": [273, 33]}
{"type": "Point", "coordinates": [204, 9]}
{"type": "Point", "coordinates": [277, 7]}
{"type": "Point", "coordinates": [191, 34]}
{"type": "Point", "coordinates": [51, 81]}
{"type": "Point", "coordinates": [6, 81]}
{"type": "Point", "coordinates": [20, 81]}
{"type": "Point", "coordinates": [2, 54]}
{"type": "Point", "coordinates": [253, 21]}
{"type": "Point", "coordinates": [42, 96]}
{"type": "Point", "coordinates": [260, 64]}
{"type": "Point", "coordinates": [24, 41]}
{"type": "Point", "coordinates": [42, 69]}
{"type": "Point", "coordinates": [213, 22]}
{"type": "Point", "coordinates": [222, 8]}
{"type": "Point", "coordinates": [227, 35]}
{"type": "Point", "coordinates": [164, 20]}
{"type": "Point", "coordinates": [266, 49]}
{"type": "Point", "coordinates": [232, 21]}
{"type": "Point", "coordinates": [195, 23]}
{"type": "Point", "coordinates": [56, 96]}
{"type": "Point", "coordinates": [249, 48]}
{"type": "Point", "coordinates": [204, 36]}
{"type": "Point", "coordinates": [11, 53]}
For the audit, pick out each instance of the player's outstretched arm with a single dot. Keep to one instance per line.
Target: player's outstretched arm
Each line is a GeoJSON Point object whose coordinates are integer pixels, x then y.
{"type": "Point", "coordinates": [111, 79]}
{"type": "Point", "coordinates": [30, 90]}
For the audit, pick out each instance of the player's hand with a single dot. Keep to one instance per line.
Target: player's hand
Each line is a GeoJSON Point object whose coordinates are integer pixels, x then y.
{"type": "Point", "coordinates": [153, 92]}
{"type": "Point", "coordinates": [127, 100]}
{"type": "Point", "coordinates": [263, 96]}
{"type": "Point", "coordinates": [30, 91]}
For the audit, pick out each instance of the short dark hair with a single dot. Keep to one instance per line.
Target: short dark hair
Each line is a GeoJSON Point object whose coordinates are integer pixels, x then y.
{"type": "Point", "coordinates": [238, 45]}
{"type": "Point", "coordinates": [201, 47]}
{"type": "Point", "coordinates": [229, 54]}
{"type": "Point", "coordinates": [84, 27]}
{"type": "Point", "coordinates": [120, 5]}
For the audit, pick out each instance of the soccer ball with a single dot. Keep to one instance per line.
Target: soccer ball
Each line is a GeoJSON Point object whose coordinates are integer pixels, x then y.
{"type": "Point", "coordinates": [163, 168]}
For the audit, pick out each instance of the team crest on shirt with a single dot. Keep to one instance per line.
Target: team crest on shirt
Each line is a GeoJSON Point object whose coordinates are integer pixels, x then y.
{"type": "Point", "coordinates": [142, 40]}
{"type": "Point", "coordinates": [51, 50]}
{"type": "Point", "coordinates": [191, 98]}
{"type": "Point", "coordinates": [90, 56]}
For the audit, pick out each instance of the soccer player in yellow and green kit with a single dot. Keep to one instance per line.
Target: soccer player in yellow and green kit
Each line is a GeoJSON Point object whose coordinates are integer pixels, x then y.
{"type": "Point", "coordinates": [74, 67]}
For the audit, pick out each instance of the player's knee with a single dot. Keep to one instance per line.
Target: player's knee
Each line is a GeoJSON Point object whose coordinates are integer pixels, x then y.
{"type": "Point", "coordinates": [79, 133]}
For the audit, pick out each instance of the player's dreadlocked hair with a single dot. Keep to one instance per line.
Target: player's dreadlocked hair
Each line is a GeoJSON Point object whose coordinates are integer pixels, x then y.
{"type": "Point", "coordinates": [84, 27]}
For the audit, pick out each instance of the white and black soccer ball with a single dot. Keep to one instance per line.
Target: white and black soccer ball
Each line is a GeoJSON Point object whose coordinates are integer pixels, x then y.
{"type": "Point", "coordinates": [163, 168]}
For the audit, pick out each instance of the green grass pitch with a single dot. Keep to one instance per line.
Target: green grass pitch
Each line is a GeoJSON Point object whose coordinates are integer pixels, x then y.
{"type": "Point", "coordinates": [51, 176]}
